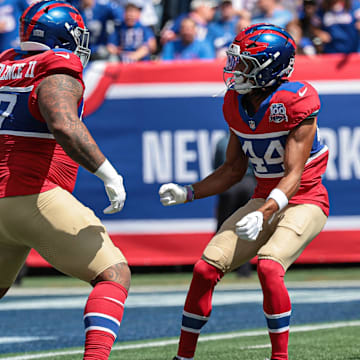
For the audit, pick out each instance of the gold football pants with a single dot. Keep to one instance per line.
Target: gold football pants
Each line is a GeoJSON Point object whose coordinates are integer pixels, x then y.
{"type": "Point", "coordinates": [282, 240]}
{"type": "Point", "coordinates": [61, 229]}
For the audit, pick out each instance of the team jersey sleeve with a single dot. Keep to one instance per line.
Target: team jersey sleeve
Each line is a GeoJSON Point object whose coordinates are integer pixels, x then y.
{"type": "Point", "coordinates": [57, 61]}
{"type": "Point", "coordinates": [62, 61]}
{"type": "Point", "coordinates": [229, 101]}
{"type": "Point", "coordinates": [303, 104]}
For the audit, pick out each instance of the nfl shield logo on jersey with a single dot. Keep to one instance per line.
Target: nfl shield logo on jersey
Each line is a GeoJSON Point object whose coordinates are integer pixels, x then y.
{"type": "Point", "coordinates": [252, 124]}
{"type": "Point", "coordinates": [277, 113]}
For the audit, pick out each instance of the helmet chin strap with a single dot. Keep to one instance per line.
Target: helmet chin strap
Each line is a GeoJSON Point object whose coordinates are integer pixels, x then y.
{"type": "Point", "coordinates": [241, 84]}
{"type": "Point", "coordinates": [243, 91]}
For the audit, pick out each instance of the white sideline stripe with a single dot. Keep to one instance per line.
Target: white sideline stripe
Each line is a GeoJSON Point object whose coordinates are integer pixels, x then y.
{"type": "Point", "coordinates": [203, 225]}
{"type": "Point", "coordinates": [294, 329]}
{"type": "Point", "coordinates": [208, 89]}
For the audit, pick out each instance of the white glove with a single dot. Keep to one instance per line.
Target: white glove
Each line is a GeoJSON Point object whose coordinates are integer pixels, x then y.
{"type": "Point", "coordinates": [172, 194]}
{"type": "Point", "coordinates": [116, 193]}
{"type": "Point", "coordinates": [113, 185]}
{"type": "Point", "coordinates": [249, 227]}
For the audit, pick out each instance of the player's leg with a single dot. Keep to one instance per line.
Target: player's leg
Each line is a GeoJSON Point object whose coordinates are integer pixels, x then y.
{"type": "Point", "coordinates": [12, 253]}
{"type": "Point", "coordinates": [197, 306]}
{"type": "Point", "coordinates": [104, 310]}
{"type": "Point", "coordinates": [224, 253]}
{"type": "Point", "coordinates": [73, 240]}
{"type": "Point", "coordinates": [12, 259]}
{"type": "Point", "coordinates": [295, 230]}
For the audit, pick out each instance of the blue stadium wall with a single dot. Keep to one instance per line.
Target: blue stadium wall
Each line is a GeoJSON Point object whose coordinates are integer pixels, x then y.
{"type": "Point", "coordinates": [159, 122]}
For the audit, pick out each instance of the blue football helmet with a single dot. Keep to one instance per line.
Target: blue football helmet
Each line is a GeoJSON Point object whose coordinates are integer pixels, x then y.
{"type": "Point", "coordinates": [261, 55]}
{"type": "Point", "coordinates": [54, 24]}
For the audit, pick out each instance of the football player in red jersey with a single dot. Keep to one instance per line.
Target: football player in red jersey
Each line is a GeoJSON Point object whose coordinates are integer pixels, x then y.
{"type": "Point", "coordinates": [272, 124]}
{"type": "Point", "coordinates": [42, 143]}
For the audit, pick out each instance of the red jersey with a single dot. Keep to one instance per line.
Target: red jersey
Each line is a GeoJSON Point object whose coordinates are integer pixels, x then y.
{"type": "Point", "coordinates": [263, 139]}
{"type": "Point", "coordinates": [31, 161]}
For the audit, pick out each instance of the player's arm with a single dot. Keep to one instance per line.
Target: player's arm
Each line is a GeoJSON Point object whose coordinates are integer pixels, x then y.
{"type": "Point", "coordinates": [297, 152]}
{"type": "Point", "coordinates": [58, 97]}
{"type": "Point", "coordinates": [230, 172]}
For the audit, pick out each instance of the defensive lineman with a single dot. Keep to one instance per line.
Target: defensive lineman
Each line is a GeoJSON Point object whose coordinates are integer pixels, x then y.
{"type": "Point", "coordinates": [42, 143]}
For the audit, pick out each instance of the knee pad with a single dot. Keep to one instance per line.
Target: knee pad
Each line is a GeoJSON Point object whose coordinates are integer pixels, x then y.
{"type": "Point", "coordinates": [199, 298]}
{"type": "Point", "coordinates": [270, 272]}
{"type": "Point", "coordinates": [207, 272]}
{"type": "Point", "coordinates": [276, 298]}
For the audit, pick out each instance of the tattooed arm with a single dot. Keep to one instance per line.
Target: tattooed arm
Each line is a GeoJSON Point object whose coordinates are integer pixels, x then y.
{"type": "Point", "coordinates": [58, 98]}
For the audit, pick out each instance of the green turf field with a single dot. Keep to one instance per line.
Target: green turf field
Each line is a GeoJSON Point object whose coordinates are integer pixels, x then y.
{"type": "Point", "coordinates": [325, 341]}
{"type": "Point", "coordinates": [338, 343]}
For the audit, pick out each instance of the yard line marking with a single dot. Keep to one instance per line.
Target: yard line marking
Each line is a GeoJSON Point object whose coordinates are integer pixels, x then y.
{"type": "Point", "coordinates": [75, 291]}
{"type": "Point", "coordinates": [21, 339]}
{"type": "Point", "coordinates": [221, 297]}
{"type": "Point", "coordinates": [302, 328]}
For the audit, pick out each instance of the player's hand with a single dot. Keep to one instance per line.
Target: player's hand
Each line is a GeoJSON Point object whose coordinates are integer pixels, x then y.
{"type": "Point", "coordinates": [172, 194]}
{"type": "Point", "coordinates": [249, 227]}
{"type": "Point", "coordinates": [116, 193]}
{"type": "Point", "coordinates": [113, 185]}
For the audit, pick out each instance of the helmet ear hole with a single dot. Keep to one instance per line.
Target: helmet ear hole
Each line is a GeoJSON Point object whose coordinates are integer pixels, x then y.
{"type": "Point", "coordinates": [277, 68]}
{"type": "Point", "coordinates": [64, 42]}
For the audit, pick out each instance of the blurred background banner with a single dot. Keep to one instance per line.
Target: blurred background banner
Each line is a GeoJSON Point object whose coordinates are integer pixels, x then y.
{"type": "Point", "coordinates": [159, 122]}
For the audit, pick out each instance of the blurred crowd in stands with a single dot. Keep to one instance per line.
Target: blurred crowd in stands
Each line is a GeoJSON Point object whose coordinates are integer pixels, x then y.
{"type": "Point", "coordinates": [137, 30]}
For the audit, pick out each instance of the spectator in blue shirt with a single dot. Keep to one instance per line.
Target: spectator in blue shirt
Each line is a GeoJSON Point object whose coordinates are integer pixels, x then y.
{"type": "Point", "coordinates": [132, 41]}
{"type": "Point", "coordinates": [187, 46]}
{"type": "Point", "coordinates": [223, 30]}
{"type": "Point", "coordinates": [201, 12]}
{"type": "Point", "coordinates": [98, 15]}
{"type": "Point", "coordinates": [271, 11]}
{"type": "Point", "coordinates": [10, 12]}
{"type": "Point", "coordinates": [150, 10]}
{"type": "Point", "coordinates": [339, 25]}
